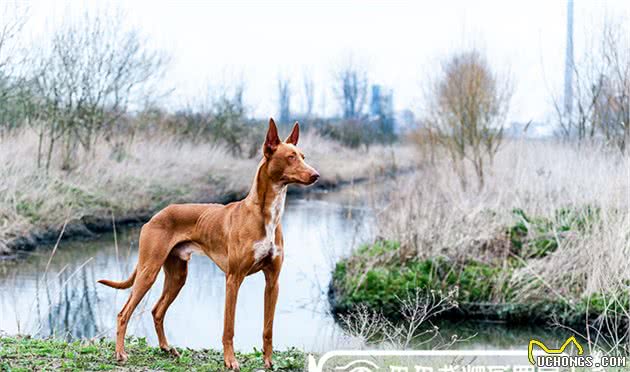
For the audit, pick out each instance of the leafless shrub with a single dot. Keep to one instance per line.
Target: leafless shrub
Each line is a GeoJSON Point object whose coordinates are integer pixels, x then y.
{"type": "Point", "coordinates": [364, 324]}
{"type": "Point", "coordinates": [412, 329]}
{"type": "Point", "coordinates": [416, 310]}
{"type": "Point", "coordinates": [467, 105]}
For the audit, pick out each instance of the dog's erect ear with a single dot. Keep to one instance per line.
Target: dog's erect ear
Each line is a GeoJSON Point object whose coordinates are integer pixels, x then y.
{"type": "Point", "coordinates": [295, 134]}
{"type": "Point", "coordinates": [272, 140]}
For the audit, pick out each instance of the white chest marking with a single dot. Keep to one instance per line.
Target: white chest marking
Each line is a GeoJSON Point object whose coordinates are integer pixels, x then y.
{"type": "Point", "coordinates": [267, 245]}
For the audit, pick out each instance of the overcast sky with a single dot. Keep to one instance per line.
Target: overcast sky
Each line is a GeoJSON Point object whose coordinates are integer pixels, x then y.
{"type": "Point", "coordinates": [214, 43]}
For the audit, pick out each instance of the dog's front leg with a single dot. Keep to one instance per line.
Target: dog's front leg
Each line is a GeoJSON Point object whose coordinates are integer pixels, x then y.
{"type": "Point", "coordinates": [271, 298]}
{"type": "Point", "coordinates": [232, 285]}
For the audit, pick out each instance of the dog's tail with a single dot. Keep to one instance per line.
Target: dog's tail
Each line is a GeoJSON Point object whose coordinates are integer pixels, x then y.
{"type": "Point", "coordinates": [120, 285]}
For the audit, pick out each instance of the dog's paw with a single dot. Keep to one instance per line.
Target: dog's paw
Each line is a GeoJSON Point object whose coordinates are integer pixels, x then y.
{"type": "Point", "coordinates": [171, 350]}
{"type": "Point", "coordinates": [268, 362]}
{"type": "Point", "coordinates": [174, 352]}
{"type": "Point", "coordinates": [231, 363]}
{"type": "Point", "coordinates": [121, 356]}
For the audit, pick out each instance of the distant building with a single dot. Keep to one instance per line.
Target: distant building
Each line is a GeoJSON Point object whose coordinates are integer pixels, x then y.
{"type": "Point", "coordinates": [382, 112]}
{"type": "Point", "coordinates": [405, 121]}
{"type": "Point", "coordinates": [381, 102]}
{"type": "Point", "coordinates": [375, 103]}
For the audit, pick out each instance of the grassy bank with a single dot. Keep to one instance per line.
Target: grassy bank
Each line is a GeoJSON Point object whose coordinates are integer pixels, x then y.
{"type": "Point", "coordinates": [27, 354]}
{"type": "Point", "coordinates": [546, 239]}
{"type": "Point", "coordinates": [483, 291]}
{"type": "Point", "coordinates": [118, 183]}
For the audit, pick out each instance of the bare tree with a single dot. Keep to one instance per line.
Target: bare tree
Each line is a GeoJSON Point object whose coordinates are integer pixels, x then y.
{"type": "Point", "coordinates": [351, 84]}
{"type": "Point", "coordinates": [467, 107]}
{"type": "Point", "coordinates": [602, 81]}
{"type": "Point", "coordinates": [284, 99]}
{"type": "Point", "coordinates": [94, 69]}
{"type": "Point", "coordinates": [12, 21]}
{"type": "Point", "coordinates": [617, 51]}
{"type": "Point", "coordinates": [309, 94]}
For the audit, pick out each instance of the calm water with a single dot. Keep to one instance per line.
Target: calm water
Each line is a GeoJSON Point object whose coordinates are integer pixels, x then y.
{"type": "Point", "coordinates": [66, 301]}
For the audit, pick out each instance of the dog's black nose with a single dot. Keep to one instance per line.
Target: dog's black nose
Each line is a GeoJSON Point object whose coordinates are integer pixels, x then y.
{"type": "Point", "coordinates": [314, 177]}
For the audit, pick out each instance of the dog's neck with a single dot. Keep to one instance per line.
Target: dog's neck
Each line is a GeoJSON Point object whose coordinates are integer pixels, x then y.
{"type": "Point", "coordinates": [267, 196]}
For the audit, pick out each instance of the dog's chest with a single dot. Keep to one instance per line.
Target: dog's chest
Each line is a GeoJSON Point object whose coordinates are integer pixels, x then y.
{"type": "Point", "coordinates": [267, 246]}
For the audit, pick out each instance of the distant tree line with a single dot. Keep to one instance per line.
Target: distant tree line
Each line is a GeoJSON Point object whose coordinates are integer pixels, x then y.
{"type": "Point", "coordinates": [365, 119]}
{"type": "Point", "coordinates": [96, 79]}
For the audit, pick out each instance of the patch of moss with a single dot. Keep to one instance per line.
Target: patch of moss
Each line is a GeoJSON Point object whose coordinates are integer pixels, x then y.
{"type": "Point", "coordinates": [27, 354]}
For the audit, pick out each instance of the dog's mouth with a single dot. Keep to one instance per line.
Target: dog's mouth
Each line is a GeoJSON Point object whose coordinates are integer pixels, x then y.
{"type": "Point", "coordinates": [309, 180]}
{"type": "Point", "coordinates": [302, 179]}
{"type": "Point", "coordinates": [313, 178]}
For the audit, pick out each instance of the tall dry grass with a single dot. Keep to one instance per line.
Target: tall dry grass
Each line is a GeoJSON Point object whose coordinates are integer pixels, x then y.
{"type": "Point", "coordinates": [122, 177]}
{"type": "Point", "coordinates": [433, 216]}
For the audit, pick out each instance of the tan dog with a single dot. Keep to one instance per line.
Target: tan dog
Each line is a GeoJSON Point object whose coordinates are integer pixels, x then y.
{"type": "Point", "coordinates": [242, 238]}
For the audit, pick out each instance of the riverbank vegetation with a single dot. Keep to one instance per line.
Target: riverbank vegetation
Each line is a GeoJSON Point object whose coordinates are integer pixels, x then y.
{"type": "Point", "coordinates": [523, 230]}
{"type": "Point", "coordinates": [148, 172]}
{"type": "Point", "coordinates": [545, 239]}
{"type": "Point", "coordinates": [28, 354]}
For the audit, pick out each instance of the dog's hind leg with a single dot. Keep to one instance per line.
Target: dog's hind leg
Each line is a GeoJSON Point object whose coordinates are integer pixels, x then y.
{"type": "Point", "coordinates": [152, 253]}
{"type": "Point", "coordinates": [175, 272]}
{"type": "Point", "coordinates": [141, 286]}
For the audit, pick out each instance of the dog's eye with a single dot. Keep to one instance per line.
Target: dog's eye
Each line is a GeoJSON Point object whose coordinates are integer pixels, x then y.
{"type": "Point", "coordinates": [291, 157]}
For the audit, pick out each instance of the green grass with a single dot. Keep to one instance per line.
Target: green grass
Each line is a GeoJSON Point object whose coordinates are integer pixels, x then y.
{"type": "Point", "coordinates": [535, 237]}
{"type": "Point", "coordinates": [382, 285]}
{"type": "Point", "coordinates": [378, 276]}
{"type": "Point", "coordinates": [27, 354]}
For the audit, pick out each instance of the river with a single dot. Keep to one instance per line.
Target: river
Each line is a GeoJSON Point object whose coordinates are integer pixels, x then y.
{"type": "Point", "coordinates": [59, 296]}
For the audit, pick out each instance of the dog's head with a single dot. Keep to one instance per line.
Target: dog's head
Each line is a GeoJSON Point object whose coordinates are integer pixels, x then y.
{"type": "Point", "coordinates": [285, 162]}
